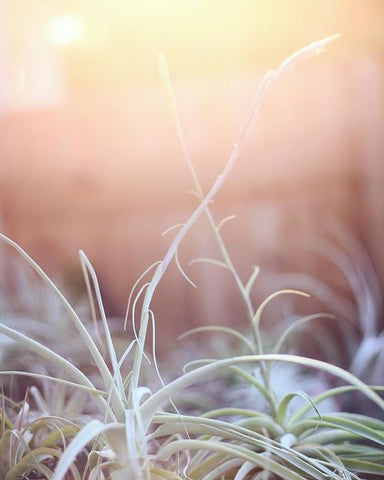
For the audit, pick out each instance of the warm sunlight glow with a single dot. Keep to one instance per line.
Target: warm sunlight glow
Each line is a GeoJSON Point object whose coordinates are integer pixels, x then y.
{"type": "Point", "coordinates": [65, 30]}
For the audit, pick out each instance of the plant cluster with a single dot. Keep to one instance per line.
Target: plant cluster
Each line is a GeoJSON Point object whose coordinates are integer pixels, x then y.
{"type": "Point", "coordinates": [112, 424]}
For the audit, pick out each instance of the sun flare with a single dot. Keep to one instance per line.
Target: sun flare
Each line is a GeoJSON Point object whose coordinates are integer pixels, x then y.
{"type": "Point", "coordinates": [65, 30]}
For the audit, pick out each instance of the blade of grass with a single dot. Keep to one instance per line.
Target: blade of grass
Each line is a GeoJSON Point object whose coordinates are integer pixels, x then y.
{"type": "Point", "coordinates": [159, 398]}
{"type": "Point", "coordinates": [116, 379]}
{"type": "Point", "coordinates": [54, 358]}
{"type": "Point", "coordinates": [219, 329]}
{"type": "Point", "coordinates": [88, 340]}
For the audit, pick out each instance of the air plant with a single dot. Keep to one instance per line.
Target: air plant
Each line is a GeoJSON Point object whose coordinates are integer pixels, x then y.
{"type": "Point", "coordinates": [139, 434]}
{"type": "Point", "coordinates": [30, 447]}
{"type": "Point", "coordinates": [354, 339]}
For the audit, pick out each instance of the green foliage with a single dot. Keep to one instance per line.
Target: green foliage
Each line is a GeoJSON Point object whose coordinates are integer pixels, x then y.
{"type": "Point", "coordinates": [31, 446]}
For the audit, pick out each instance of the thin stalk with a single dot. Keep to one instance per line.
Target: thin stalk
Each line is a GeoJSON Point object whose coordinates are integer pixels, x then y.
{"type": "Point", "coordinates": [161, 269]}
{"type": "Point", "coordinates": [306, 52]}
{"type": "Point", "coordinates": [199, 190]}
{"type": "Point", "coordinates": [264, 85]}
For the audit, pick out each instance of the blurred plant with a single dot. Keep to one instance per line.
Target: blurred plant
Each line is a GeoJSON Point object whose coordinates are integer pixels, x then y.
{"type": "Point", "coordinates": [27, 305]}
{"type": "Point", "coordinates": [364, 346]}
{"type": "Point", "coordinates": [355, 338]}
{"type": "Point", "coordinates": [30, 448]}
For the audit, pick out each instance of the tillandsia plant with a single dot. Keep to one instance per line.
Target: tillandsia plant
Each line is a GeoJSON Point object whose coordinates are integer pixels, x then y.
{"type": "Point", "coordinates": [356, 340]}
{"type": "Point", "coordinates": [139, 434]}
{"type": "Point", "coordinates": [28, 305]}
{"type": "Point", "coordinates": [363, 347]}
{"type": "Point", "coordinates": [30, 447]}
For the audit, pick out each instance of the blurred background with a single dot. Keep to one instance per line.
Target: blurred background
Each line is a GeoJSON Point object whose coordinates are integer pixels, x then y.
{"type": "Point", "coordinates": [89, 157]}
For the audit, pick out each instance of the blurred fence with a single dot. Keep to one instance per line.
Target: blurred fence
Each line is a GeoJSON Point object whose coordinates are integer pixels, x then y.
{"type": "Point", "coordinates": [106, 174]}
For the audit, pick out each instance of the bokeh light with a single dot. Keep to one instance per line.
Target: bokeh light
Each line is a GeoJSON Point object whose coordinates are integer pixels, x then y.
{"type": "Point", "coordinates": [65, 30]}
